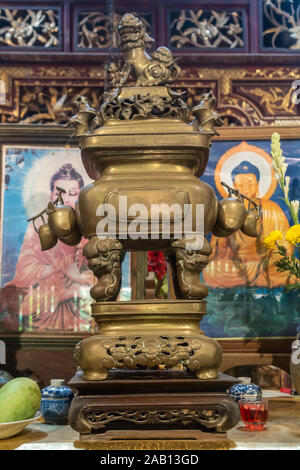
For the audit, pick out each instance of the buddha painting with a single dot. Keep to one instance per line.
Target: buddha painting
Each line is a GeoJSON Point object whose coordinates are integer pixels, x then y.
{"type": "Point", "coordinates": [240, 267]}
{"type": "Point", "coordinates": [49, 289]}
{"type": "Point", "coordinates": [239, 259]}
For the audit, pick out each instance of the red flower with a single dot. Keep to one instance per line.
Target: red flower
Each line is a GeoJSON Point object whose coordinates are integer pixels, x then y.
{"type": "Point", "coordinates": [157, 263]}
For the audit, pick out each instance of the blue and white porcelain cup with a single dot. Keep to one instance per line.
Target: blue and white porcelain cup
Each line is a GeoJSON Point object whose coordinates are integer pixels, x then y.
{"type": "Point", "coordinates": [245, 390]}
{"type": "Point", "coordinates": [56, 401]}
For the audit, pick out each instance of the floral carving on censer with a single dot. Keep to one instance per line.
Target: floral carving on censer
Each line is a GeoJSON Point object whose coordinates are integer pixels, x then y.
{"type": "Point", "coordinates": [142, 351]}
{"type": "Point", "coordinates": [144, 106]}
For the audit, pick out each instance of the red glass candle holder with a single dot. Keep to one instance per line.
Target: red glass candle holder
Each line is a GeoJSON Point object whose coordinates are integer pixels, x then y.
{"type": "Point", "coordinates": [254, 413]}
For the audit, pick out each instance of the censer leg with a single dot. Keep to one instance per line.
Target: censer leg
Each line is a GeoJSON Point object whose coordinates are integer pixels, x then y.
{"type": "Point", "coordinates": [105, 259]}
{"type": "Point", "coordinates": [187, 266]}
{"type": "Point", "coordinates": [92, 358]}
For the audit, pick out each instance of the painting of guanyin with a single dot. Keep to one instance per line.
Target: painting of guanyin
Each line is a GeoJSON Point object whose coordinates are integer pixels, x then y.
{"type": "Point", "coordinates": [42, 290]}
{"type": "Point", "coordinates": [247, 296]}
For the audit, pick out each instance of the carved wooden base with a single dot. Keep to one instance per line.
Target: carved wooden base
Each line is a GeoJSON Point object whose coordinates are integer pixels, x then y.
{"type": "Point", "coordinates": [152, 405]}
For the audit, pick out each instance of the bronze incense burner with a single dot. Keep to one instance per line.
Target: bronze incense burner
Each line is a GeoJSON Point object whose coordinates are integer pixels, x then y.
{"type": "Point", "coordinates": [146, 149]}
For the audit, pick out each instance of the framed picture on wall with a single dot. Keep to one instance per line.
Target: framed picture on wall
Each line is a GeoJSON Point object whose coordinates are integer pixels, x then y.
{"type": "Point", "coordinates": [247, 297]}
{"type": "Point", "coordinates": [42, 291]}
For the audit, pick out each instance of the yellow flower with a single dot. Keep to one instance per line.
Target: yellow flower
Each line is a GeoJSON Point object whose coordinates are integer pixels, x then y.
{"type": "Point", "coordinates": [293, 234]}
{"type": "Point", "coordinates": [271, 239]}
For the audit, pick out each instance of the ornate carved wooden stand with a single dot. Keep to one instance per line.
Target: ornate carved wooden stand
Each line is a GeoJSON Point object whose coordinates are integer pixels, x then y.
{"type": "Point", "coordinates": [164, 409]}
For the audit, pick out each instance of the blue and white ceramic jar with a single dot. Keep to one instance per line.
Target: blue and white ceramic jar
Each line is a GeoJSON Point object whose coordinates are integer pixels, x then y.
{"type": "Point", "coordinates": [245, 390]}
{"type": "Point", "coordinates": [56, 401]}
{"type": "Point", "coordinates": [5, 377]}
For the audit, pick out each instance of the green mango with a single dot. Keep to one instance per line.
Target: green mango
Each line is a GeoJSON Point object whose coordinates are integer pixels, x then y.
{"type": "Point", "coordinates": [20, 399]}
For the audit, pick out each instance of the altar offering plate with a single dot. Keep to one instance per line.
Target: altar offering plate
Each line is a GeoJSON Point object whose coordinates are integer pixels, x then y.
{"type": "Point", "coordinates": [14, 427]}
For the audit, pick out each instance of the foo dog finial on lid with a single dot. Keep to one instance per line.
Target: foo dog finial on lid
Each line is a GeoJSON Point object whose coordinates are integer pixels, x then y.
{"type": "Point", "coordinates": [160, 69]}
